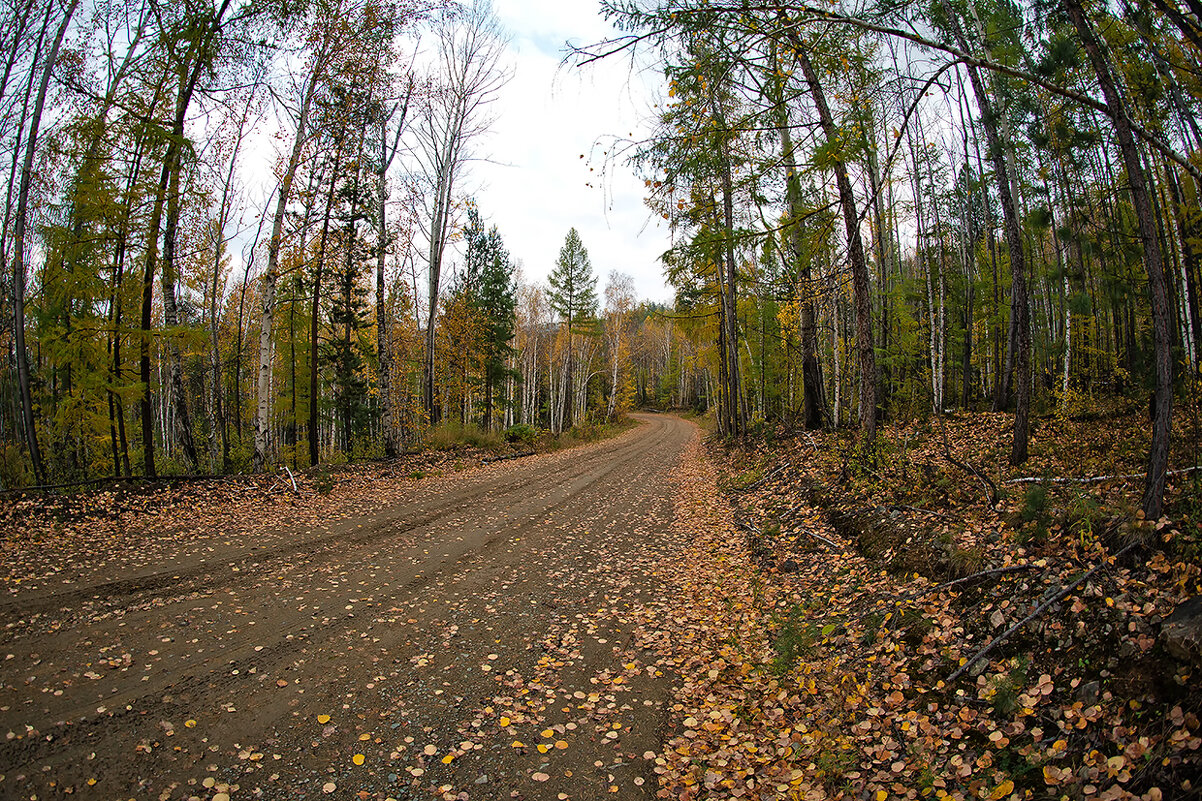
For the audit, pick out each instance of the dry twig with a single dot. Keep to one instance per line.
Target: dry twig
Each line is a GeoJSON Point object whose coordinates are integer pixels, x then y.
{"type": "Point", "coordinates": [1035, 613]}
{"type": "Point", "coordinates": [903, 507]}
{"type": "Point", "coordinates": [1095, 479]}
{"type": "Point", "coordinates": [990, 487]}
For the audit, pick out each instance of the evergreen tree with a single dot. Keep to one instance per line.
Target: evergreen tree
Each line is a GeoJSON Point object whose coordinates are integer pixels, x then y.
{"type": "Point", "coordinates": [573, 296]}
{"type": "Point", "coordinates": [573, 285]}
{"type": "Point", "coordinates": [489, 278]}
{"type": "Point", "coordinates": [348, 314]}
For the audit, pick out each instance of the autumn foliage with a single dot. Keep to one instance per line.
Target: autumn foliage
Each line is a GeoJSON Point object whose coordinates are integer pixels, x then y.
{"type": "Point", "coordinates": [842, 628]}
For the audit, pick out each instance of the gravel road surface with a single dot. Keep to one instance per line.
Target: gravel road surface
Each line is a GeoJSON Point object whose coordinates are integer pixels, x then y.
{"type": "Point", "coordinates": [458, 636]}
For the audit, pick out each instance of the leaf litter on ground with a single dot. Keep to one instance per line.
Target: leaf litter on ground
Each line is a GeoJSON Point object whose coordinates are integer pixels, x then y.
{"type": "Point", "coordinates": [816, 621]}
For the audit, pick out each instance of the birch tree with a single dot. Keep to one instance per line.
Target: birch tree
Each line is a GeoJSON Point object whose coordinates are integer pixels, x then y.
{"type": "Point", "coordinates": [467, 76]}
{"type": "Point", "coordinates": [329, 44]}
{"type": "Point", "coordinates": [620, 300]}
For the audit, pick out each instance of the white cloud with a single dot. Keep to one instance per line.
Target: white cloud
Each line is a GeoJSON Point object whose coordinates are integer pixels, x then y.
{"type": "Point", "coordinates": [536, 185]}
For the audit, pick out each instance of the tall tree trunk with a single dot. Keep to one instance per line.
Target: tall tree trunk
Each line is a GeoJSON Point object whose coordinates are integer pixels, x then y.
{"type": "Point", "coordinates": [13, 175]}
{"type": "Point", "coordinates": [217, 425]}
{"type": "Point", "coordinates": [886, 254]}
{"type": "Point", "coordinates": [966, 358]}
{"type": "Point", "coordinates": [814, 398]}
{"type": "Point", "coordinates": [272, 271]}
{"type": "Point", "coordinates": [147, 400]}
{"type": "Point", "coordinates": [734, 394]}
{"type": "Point", "coordinates": [180, 417]}
{"type": "Point", "coordinates": [439, 223]}
{"type": "Point", "coordinates": [348, 291]}
{"type": "Point", "coordinates": [855, 251]}
{"type": "Point", "coordinates": [315, 312]}
{"type": "Point", "coordinates": [383, 341]}
{"type": "Point", "coordinates": [566, 417]}
{"type": "Point", "coordinates": [1191, 259]}
{"type": "Point", "coordinates": [248, 255]}
{"type": "Point", "coordinates": [19, 228]}
{"type": "Point", "coordinates": [1019, 347]}
{"type": "Point", "coordinates": [1018, 350]}
{"type": "Point", "coordinates": [192, 65]}
{"type": "Point", "coordinates": [1162, 401]}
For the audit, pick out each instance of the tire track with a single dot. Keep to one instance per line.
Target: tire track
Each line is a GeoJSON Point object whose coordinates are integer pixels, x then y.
{"type": "Point", "coordinates": [476, 567]}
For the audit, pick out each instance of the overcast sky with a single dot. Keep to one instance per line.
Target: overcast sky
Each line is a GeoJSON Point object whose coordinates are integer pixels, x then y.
{"type": "Point", "coordinates": [535, 185]}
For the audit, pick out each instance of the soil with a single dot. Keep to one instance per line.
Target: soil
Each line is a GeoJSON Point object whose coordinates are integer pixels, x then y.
{"type": "Point", "coordinates": [467, 635]}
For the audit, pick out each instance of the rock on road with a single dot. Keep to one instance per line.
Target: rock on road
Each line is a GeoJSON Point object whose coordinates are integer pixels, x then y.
{"type": "Point", "coordinates": [463, 636]}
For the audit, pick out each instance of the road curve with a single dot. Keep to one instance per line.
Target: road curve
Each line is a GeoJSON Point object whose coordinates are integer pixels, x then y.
{"type": "Point", "coordinates": [466, 637]}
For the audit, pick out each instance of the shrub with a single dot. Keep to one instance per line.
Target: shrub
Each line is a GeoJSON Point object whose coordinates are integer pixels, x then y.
{"type": "Point", "coordinates": [323, 481]}
{"type": "Point", "coordinates": [451, 435]}
{"type": "Point", "coordinates": [1035, 515]}
{"type": "Point", "coordinates": [14, 470]}
{"type": "Point", "coordinates": [794, 639]}
{"type": "Point", "coordinates": [520, 433]}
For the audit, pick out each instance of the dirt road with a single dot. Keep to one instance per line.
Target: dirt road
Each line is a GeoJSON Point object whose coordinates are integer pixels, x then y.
{"type": "Point", "coordinates": [463, 636]}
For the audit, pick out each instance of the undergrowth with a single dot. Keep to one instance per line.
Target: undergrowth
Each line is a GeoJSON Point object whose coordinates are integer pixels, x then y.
{"type": "Point", "coordinates": [935, 644]}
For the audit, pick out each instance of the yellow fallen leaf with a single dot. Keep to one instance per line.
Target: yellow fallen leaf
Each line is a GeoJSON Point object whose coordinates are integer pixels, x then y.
{"type": "Point", "coordinates": [358, 759]}
{"type": "Point", "coordinates": [1002, 790]}
{"type": "Point", "coordinates": [561, 744]}
{"type": "Point", "coordinates": [505, 722]}
{"type": "Point", "coordinates": [542, 748]}
{"type": "Point", "coordinates": [364, 737]}
{"type": "Point", "coordinates": [446, 760]}
{"type": "Point", "coordinates": [323, 719]}
{"type": "Point", "coordinates": [517, 744]}
{"type": "Point", "coordinates": [191, 724]}
{"type": "Point", "coordinates": [547, 733]}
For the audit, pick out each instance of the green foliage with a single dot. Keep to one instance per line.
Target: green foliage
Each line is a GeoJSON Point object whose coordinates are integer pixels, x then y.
{"type": "Point", "coordinates": [451, 435]}
{"type": "Point", "coordinates": [492, 293]}
{"type": "Point", "coordinates": [323, 481]}
{"type": "Point", "coordinates": [14, 467]}
{"type": "Point", "coordinates": [1034, 513]}
{"type": "Point", "coordinates": [520, 433]}
{"type": "Point", "coordinates": [742, 481]}
{"type": "Point", "coordinates": [872, 626]}
{"type": "Point", "coordinates": [1083, 515]}
{"type": "Point", "coordinates": [1003, 689]}
{"type": "Point", "coordinates": [795, 637]}
{"type": "Point", "coordinates": [573, 293]}
{"type": "Point", "coordinates": [966, 561]}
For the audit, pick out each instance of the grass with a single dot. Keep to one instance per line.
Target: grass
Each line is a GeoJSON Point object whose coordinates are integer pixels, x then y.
{"type": "Point", "coordinates": [583, 434]}
{"type": "Point", "coordinates": [451, 436]}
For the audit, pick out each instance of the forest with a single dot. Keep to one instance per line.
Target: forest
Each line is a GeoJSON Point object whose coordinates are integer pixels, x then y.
{"type": "Point", "coordinates": [880, 210]}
